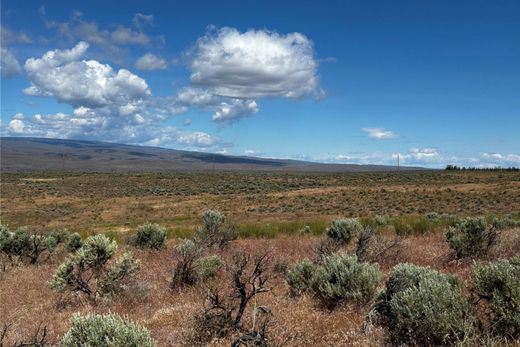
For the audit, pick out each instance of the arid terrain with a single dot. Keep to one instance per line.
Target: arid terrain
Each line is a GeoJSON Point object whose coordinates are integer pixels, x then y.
{"type": "Point", "coordinates": [268, 211]}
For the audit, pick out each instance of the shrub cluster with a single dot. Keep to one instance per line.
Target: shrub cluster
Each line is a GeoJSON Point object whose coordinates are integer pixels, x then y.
{"type": "Point", "coordinates": [471, 237]}
{"type": "Point", "coordinates": [339, 278]}
{"type": "Point", "coordinates": [96, 330]}
{"type": "Point", "coordinates": [421, 306]}
{"type": "Point", "coordinates": [87, 271]}
{"type": "Point", "coordinates": [214, 233]}
{"type": "Point", "coordinates": [149, 235]}
{"type": "Point", "coordinates": [28, 246]}
{"type": "Point", "coordinates": [343, 230]}
{"type": "Point", "coordinates": [498, 284]}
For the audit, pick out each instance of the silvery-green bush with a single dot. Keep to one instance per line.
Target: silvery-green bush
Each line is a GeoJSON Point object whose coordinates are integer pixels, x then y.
{"type": "Point", "coordinates": [214, 233]}
{"type": "Point", "coordinates": [498, 284]}
{"type": "Point", "coordinates": [149, 235]}
{"type": "Point", "coordinates": [470, 238]}
{"type": "Point", "coordinates": [74, 242]}
{"type": "Point", "coordinates": [186, 253]}
{"type": "Point", "coordinates": [208, 266]}
{"type": "Point", "coordinates": [421, 306]}
{"type": "Point", "coordinates": [88, 270]}
{"type": "Point", "coordinates": [110, 330]}
{"type": "Point", "coordinates": [27, 246]}
{"type": "Point", "coordinates": [343, 230]}
{"type": "Point", "coordinates": [342, 278]}
{"type": "Point", "coordinates": [300, 277]}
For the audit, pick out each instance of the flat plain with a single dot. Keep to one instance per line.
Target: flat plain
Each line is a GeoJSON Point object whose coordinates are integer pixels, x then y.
{"type": "Point", "coordinates": [268, 210]}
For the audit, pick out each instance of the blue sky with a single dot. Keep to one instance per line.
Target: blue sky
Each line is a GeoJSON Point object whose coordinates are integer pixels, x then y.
{"type": "Point", "coordinates": [436, 82]}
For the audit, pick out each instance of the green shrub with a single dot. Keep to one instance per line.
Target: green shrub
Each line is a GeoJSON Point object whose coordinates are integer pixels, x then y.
{"type": "Point", "coordinates": [87, 271]}
{"type": "Point", "coordinates": [421, 306]}
{"type": "Point", "coordinates": [27, 246]}
{"type": "Point", "coordinates": [185, 273]}
{"type": "Point", "coordinates": [300, 277]}
{"type": "Point", "coordinates": [214, 233]}
{"type": "Point", "coordinates": [342, 278]}
{"type": "Point", "coordinates": [499, 284]}
{"type": "Point", "coordinates": [94, 330]}
{"type": "Point", "coordinates": [431, 314]}
{"type": "Point", "coordinates": [74, 242]}
{"type": "Point", "coordinates": [471, 237]}
{"type": "Point", "coordinates": [343, 230]}
{"type": "Point", "coordinates": [207, 267]}
{"type": "Point", "coordinates": [149, 236]}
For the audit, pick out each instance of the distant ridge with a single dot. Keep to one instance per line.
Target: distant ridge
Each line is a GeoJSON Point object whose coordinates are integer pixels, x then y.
{"type": "Point", "coordinates": [29, 154]}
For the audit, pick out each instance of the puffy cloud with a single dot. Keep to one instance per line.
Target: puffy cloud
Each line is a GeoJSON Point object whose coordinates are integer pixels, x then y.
{"type": "Point", "coordinates": [86, 124]}
{"type": "Point", "coordinates": [126, 36]}
{"type": "Point", "coordinates": [151, 61]}
{"type": "Point", "coordinates": [87, 83]}
{"type": "Point", "coordinates": [9, 65]}
{"type": "Point", "coordinates": [108, 40]}
{"type": "Point", "coordinates": [379, 133]}
{"type": "Point", "coordinates": [196, 97]}
{"type": "Point", "coordinates": [254, 64]}
{"type": "Point", "coordinates": [234, 109]}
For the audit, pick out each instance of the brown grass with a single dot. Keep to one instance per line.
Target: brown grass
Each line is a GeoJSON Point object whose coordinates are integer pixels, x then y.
{"type": "Point", "coordinates": [27, 301]}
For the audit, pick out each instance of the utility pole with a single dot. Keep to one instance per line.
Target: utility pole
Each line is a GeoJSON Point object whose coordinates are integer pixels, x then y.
{"type": "Point", "coordinates": [397, 162]}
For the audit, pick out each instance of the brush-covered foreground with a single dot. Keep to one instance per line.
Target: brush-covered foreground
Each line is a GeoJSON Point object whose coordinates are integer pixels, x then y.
{"type": "Point", "coordinates": [306, 280]}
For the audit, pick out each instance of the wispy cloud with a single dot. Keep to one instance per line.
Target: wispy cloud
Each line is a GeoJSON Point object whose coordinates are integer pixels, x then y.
{"type": "Point", "coordinates": [380, 133]}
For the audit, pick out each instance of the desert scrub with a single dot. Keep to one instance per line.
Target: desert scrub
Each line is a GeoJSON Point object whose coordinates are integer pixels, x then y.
{"type": "Point", "coordinates": [421, 306]}
{"type": "Point", "coordinates": [498, 284]}
{"type": "Point", "coordinates": [471, 238]}
{"type": "Point", "coordinates": [342, 278]}
{"type": "Point", "coordinates": [214, 233]}
{"type": "Point", "coordinates": [26, 246]}
{"type": "Point", "coordinates": [96, 330]}
{"type": "Point", "coordinates": [149, 235]}
{"type": "Point", "coordinates": [300, 277]}
{"type": "Point", "coordinates": [74, 242]}
{"type": "Point", "coordinates": [87, 271]}
{"type": "Point", "coordinates": [343, 230]}
{"type": "Point", "coordinates": [186, 253]}
{"type": "Point", "coordinates": [208, 266]}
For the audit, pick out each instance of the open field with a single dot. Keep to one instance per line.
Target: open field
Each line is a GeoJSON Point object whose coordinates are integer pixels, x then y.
{"type": "Point", "coordinates": [119, 202]}
{"type": "Point", "coordinates": [268, 211]}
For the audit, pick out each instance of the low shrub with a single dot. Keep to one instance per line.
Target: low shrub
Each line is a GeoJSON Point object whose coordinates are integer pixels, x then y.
{"type": "Point", "coordinates": [420, 306]}
{"type": "Point", "coordinates": [149, 235]}
{"type": "Point", "coordinates": [300, 277]}
{"type": "Point", "coordinates": [343, 230]}
{"type": "Point", "coordinates": [207, 267]}
{"type": "Point", "coordinates": [26, 246]}
{"type": "Point", "coordinates": [87, 271]}
{"type": "Point", "coordinates": [471, 237]}
{"type": "Point", "coordinates": [214, 233]}
{"type": "Point", "coordinates": [96, 330]}
{"type": "Point", "coordinates": [374, 247]}
{"type": "Point", "coordinates": [74, 242]}
{"type": "Point", "coordinates": [342, 278]}
{"type": "Point", "coordinates": [185, 273]}
{"type": "Point", "coordinates": [498, 284]}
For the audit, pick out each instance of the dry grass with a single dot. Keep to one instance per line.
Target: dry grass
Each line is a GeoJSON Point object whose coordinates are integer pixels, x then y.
{"type": "Point", "coordinates": [27, 302]}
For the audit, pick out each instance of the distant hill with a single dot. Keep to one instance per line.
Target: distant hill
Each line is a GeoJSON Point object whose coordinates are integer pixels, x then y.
{"type": "Point", "coordinates": [27, 154]}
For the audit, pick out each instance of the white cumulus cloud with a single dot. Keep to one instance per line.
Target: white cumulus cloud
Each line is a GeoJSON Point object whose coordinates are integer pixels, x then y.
{"type": "Point", "coordinates": [87, 83]}
{"type": "Point", "coordinates": [256, 63]}
{"type": "Point", "coordinates": [151, 61]}
{"type": "Point", "coordinates": [234, 109]}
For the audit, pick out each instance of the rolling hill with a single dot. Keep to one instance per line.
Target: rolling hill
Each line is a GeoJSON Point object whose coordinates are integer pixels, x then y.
{"type": "Point", "coordinates": [26, 154]}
